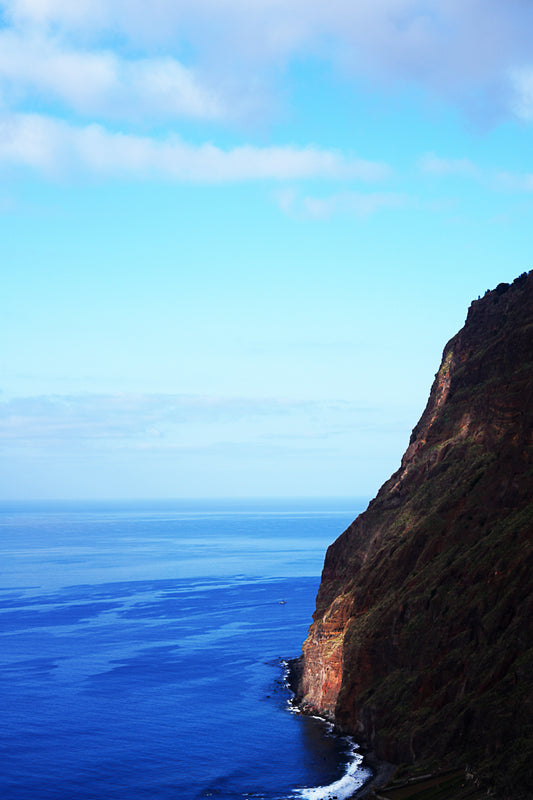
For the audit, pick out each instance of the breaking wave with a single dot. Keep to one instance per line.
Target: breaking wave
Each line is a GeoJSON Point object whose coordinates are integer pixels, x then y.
{"type": "Point", "coordinates": [352, 780]}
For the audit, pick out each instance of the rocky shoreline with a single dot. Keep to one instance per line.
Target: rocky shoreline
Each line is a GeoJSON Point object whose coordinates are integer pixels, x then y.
{"type": "Point", "coordinates": [384, 783]}
{"type": "Point", "coordinates": [382, 771]}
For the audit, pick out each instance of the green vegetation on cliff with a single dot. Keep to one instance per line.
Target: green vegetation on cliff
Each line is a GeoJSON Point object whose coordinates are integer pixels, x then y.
{"type": "Point", "coordinates": [437, 648]}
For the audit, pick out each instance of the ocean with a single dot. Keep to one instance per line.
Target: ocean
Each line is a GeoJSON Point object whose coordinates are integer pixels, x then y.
{"type": "Point", "coordinates": [143, 651]}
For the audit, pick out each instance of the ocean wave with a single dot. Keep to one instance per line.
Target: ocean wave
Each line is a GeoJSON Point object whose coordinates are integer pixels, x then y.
{"type": "Point", "coordinates": [354, 777]}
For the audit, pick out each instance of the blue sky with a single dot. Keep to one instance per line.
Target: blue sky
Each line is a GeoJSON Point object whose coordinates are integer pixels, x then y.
{"type": "Point", "coordinates": [236, 236]}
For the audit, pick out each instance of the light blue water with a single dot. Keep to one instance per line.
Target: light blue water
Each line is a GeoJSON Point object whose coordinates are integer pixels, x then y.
{"type": "Point", "coordinates": [142, 648]}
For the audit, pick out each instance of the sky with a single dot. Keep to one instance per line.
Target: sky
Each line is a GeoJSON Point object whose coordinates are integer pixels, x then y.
{"type": "Point", "coordinates": [237, 234]}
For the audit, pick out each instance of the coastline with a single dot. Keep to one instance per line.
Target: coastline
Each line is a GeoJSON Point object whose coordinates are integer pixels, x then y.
{"type": "Point", "coordinates": [381, 771]}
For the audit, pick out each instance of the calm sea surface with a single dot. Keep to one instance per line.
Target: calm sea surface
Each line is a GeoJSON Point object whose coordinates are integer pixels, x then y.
{"type": "Point", "coordinates": [142, 649]}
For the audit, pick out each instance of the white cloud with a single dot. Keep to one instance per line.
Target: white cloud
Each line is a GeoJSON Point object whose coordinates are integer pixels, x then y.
{"type": "Point", "coordinates": [100, 83]}
{"type": "Point", "coordinates": [514, 181]}
{"type": "Point", "coordinates": [61, 12]}
{"type": "Point", "coordinates": [116, 62]}
{"type": "Point", "coordinates": [95, 417]}
{"type": "Point", "coordinates": [522, 101]}
{"type": "Point", "coordinates": [169, 421]}
{"type": "Point", "coordinates": [435, 165]}
{"type": "Point", "coordinates": [357, 204]}
{"type": "Point", "coordinates": [40, 142]}
{"type": "Point", "coordinates": [465, 168]}
{"type": "Point", "coordinates": [465, 50]}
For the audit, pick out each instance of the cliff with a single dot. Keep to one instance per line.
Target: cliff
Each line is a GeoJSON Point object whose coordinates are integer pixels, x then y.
{"type": "Point", "coordinates": [422, 640]}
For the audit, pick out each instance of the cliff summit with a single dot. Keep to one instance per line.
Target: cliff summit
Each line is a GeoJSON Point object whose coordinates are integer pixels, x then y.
{"type": "Point", "coordinates": [421, 644]}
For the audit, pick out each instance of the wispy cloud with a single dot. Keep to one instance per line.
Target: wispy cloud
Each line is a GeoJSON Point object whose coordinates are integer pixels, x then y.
{"type": "Point", "coordinates": [493, 178]}
{"type": "Point", "coordinates": [169, 421]}
{"type": "Point", "coordinates": [119, 416]}
{"type": "Point", "coordinates": [522, 98]}
{"type": "Point", "coordinates": [356, 204]}
{"type": "Point", "coordinates": [515, 181]}
{"type": "Point", "coordinates": [434, 165]}
{"type": "Point", "coordinates": [53, 146]}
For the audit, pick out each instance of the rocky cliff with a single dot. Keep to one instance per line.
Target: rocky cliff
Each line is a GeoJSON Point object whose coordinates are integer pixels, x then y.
{"type": "Point", "coordinates": [422, 639]}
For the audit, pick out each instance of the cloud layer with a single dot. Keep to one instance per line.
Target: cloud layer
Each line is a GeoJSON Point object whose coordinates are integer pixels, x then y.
{"type": "Point", "coordinates": [476, 52]}
{"type": "Point", "coordinates": [123, 415]}
{"type": "Point", "coordinates": [101, 85]}
{"type": "Point", "coordinates": [52, 423]}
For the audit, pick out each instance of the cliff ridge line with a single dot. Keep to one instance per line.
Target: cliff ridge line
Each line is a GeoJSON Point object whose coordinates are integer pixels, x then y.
{"type": "Point", "coordinates": [421, 644]}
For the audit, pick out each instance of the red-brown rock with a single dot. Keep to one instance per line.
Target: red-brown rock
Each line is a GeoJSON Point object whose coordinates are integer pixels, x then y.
{"type": "Point", "coordinates": [422, 639]}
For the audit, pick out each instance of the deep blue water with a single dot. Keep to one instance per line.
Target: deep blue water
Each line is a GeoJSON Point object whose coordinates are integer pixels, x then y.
{"type": "Point", "coordinates": [142, 648]}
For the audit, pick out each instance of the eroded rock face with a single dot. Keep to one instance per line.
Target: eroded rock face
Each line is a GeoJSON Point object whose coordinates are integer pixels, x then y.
{"type": "Point", "coordinates": [323, 657]}
{"type": "Point", "coordinates": [422, 639]}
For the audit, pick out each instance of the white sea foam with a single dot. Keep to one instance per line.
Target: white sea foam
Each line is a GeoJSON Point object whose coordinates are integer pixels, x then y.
{"type": "Point", "coordinates": [354, 777]}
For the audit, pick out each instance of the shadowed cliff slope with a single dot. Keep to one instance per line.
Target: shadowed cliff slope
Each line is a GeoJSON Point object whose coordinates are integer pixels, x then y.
{"type": "Point", "coordinates": [422, 640]}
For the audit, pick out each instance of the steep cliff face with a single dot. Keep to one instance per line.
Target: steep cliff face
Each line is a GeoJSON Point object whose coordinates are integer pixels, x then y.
{"type": "Point", "coordinates": [422, 639]}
